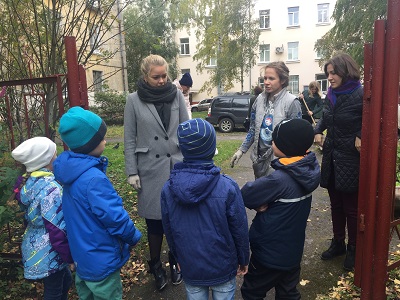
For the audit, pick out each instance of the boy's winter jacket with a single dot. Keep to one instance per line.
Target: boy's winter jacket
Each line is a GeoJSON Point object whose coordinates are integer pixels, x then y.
{"type": "Point", "coordinates": [99, 229]}
{"type": "Point", "coordinates": [205, 223]}
{"type": "Point", "coordinates": [44, 247]}
{"type": "Point", "coordinates": [277, 235]}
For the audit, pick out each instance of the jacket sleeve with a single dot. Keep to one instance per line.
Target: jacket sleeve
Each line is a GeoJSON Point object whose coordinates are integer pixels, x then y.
{"type": "Point", "coordinates": [249, 140]}
{"type": "Point", "coordinates": [319, 107]}
{"type": "Point", "coordinates": [321, 126]}
{"type": "Point", "coordinates": [107, 205]}
{"type": "Point", "coordinates": [238, 225]}
{"type": "Point", "coordinates": [166, 222]}
{"type": "Point", "coordinates": [130, 132]}
{"type": "Point", "coordinates": [261, 191]}
{"type": "Point", "coordinates": [54, 222]}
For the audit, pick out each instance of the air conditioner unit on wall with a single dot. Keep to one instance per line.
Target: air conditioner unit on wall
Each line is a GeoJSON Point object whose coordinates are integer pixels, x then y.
{"type": "Point", "coordinates": [279, 49]}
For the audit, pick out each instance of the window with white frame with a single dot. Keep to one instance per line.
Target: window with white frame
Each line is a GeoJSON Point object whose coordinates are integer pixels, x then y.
{"type": "Point", "coordinates": [97, 81]}
{"type": "Point", "coordinates": [261, 82]}
{"type": "Point", "coordinates": [185, 46]}
{"type": "Point", "coordinates": [183, 71]}
{"type": "Point", "coordinates": [293, 86]}
{"type": "Point", "coordinates": [264, 19]}
{"type": "Point", "coordinates": [293, 13]}
{"type": "Point", "coordinates": [212, 62]}
{"type": "Point", "coordinates": [323, 13]}
{"type": "Point", "coordinates": [94, 38]}
{"type": "Point", "coordinates": [293, 50]}
{"type": "Point", "coordinates": [264, 53]}
{"type": "Point", "coordinates": [323, 82]}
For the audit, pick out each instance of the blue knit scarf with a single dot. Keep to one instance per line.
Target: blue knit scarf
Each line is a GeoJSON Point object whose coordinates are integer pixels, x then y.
{"type": "Point", "coordinates": [347, 88]}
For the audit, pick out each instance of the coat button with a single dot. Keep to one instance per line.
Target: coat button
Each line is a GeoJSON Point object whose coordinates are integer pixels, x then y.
{"type": "Point", "coordinates": [168, 155]}
{"type": "Point", "coordinates": [157, 155]}
{"type": "Point", "coordinates": [166, 138]}
{"type": "Point", "coordinates": [156, 138]}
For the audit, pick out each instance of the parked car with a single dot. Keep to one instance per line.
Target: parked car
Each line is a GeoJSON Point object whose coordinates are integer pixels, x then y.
{"type": "Point", "coordinates": [202, 105]}
{"type": "Point", "coordinates": [228, 111]}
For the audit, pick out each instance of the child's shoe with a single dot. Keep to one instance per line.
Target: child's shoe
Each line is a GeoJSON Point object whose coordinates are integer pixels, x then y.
{"type": "Point", "coordinates": [160, 276]}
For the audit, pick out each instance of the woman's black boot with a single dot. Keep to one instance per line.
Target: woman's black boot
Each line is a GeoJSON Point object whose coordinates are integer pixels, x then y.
{"type": "Point", "coordinates": [159, 273]}
{"type": "Point", "coordinates": [176, 275]}
{"type": "Point", "coordinates": [350, 259]}
{"type": "Point", "coordinates": [337, 248]}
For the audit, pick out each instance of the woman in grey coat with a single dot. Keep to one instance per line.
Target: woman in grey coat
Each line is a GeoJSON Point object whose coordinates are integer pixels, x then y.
{"type": "Point", "coordinates": [151, 118]}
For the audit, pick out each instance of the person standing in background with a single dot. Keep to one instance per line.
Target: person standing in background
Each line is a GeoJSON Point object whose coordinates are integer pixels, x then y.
{"type": "Point", "coordinates": [342, 117]}
{"type": "Point", "coordinates": [311, 103]}
{"type": "Point", "coordinates": [151, 119]}
{"type": "Point", "coordinates": [257, 91]}
{"type": "Point", "coordinates": [184, 86]}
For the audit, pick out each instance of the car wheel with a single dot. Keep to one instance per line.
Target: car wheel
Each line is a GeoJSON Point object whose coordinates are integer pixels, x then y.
{"type": "Point", "coordinates": [194, 109]}
{"type": "Point", "coordinates": [226, 125]}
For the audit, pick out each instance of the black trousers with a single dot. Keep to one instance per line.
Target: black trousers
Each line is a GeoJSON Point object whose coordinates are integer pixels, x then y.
{"type": "Point", "coordinates": [259, 280]}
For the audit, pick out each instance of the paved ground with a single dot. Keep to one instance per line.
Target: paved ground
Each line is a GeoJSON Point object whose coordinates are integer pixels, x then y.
{"type": "Point", "coordinates": [317, 275]}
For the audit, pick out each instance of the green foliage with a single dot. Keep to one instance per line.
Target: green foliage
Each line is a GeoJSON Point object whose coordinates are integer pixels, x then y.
{"type": "Point", "coordinates": [354, 20]}
{"type": "Point", "coordinates": [225, 32]}
{"type": "Point", "coordinates": [148, 30]}
{"type": "Point", "coordinates": [110, 106]}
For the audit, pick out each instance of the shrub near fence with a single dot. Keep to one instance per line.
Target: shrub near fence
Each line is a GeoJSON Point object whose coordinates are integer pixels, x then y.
{"type": "Point", "coordinates": [110, 105]}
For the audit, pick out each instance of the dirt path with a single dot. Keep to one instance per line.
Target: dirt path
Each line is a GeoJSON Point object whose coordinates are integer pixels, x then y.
{"type": "Point", "coordinates": [317, 275]}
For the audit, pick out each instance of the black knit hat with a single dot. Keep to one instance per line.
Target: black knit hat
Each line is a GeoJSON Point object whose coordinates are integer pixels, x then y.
{"type": "Point", "coordinates": [186, 80]}
{"type": "Point", "coordinates": [293, 137]}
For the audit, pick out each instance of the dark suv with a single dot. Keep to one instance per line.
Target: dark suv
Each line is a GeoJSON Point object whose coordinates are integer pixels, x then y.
{"type": "Point", "coordinates": [228, 111]}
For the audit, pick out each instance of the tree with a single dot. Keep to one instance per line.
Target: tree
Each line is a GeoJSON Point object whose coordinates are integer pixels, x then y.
{"type": "Point", "coordinates": [226, 33]}
{"type": "Point", "coordinates": [32, 46]}
{"type": "Point", "coordinates": [354, 26]}
{"type": "Point", "coordinates": [148, 31]}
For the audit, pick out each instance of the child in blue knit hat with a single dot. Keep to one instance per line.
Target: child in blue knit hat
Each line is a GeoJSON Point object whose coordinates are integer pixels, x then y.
{"type": "Point", "coordinates": [204, 217]}
{"type": "Point", "coordinates": [100, 230]}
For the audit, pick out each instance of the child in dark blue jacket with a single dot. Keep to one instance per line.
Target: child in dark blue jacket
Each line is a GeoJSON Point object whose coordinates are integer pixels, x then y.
{"type": "Point", "coordinates": [204, 217]}
{"type": "Point", "coordinates": [283, 202]}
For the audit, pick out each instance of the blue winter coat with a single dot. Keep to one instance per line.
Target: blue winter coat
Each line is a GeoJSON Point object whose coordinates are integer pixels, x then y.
{"type": "Point", "coordinates": [99, 228]}
{"type": "Point", "coordinates": [277, 235]}
{"type": "Point", "coordinates": [205, 224]}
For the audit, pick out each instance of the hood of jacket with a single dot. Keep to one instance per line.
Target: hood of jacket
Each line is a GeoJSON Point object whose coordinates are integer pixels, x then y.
{"type": "Point", "coordinates": [199, 181]}
{"type": "Point", "coordinates": [305, 171]}
{"type": "Point", "coordinates": [70, 165]}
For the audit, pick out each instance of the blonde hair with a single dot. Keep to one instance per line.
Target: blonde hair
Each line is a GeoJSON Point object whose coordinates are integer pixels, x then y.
{"type": "Point", "coordinates": [314, 84]}
{"type": "Point", "coordinates": [150, 61]}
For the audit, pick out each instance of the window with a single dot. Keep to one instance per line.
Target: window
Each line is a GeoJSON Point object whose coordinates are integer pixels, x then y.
{"type": "Point", "coordinates": [293, 13]}
{"type": "Point", "coordinates": [185, 46]}
{"type": "Point", "coordinates": [240, 102]}
{"type": "Point", "coordinates": [293, 84]}
{"type": "Point", "coordinates": [293, 50]}
{"type": "Point", "coordinates": [323, 13]}
{"type": "Point", "coordinates": [183, 71]}
{"type": "Point", "coordinates": [261, 82]}
{"type": "Point", "coordinates": [93, 4]}
{"type": "Point", "coordinates": [264, 19]}
{"type": "Point", "coordinates": [323, 82]}
{"type": "Point", "coordinates": [212, 62]}
{"type": "Point", "coordinates": [264, 53]}
{"type": "Point", "coordinates": [97, 81]}
{"type": "Point", "coordinates": [208, 21]}
{"type": "Point", "coordinates": [95, 38]}
{"type": "Point", "coordinates": [222, 102]}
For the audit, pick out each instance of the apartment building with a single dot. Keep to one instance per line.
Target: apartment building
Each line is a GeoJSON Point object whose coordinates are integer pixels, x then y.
{"type": "Point", "coordinates": [288, 32]}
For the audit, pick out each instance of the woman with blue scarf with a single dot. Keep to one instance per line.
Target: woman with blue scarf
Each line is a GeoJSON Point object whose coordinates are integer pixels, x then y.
{"type": "Point", "coordinates": [342, 118]}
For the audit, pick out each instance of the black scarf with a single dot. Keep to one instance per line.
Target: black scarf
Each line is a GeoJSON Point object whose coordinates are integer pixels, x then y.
{"type": "Point", "coordinates": [161, 97]}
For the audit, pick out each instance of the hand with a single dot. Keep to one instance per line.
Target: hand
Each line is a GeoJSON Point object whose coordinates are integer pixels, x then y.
{"type": "Point", "coordinates": [72, 267]}
{"type": "Point", "coordinates": [242, 270]}
{"type": "Point", "coordinates": [134, 181]}
{"type": "Point", "coordinates": [357, 144]}
{"type": "Point", "coordinates": [318, 139]}
{"type": "Point", "coordinates": [262, 208]}
{"type": "Point", "coordinates": [236, 157]}
{"type": "Point", "coordinates": [310, 113]}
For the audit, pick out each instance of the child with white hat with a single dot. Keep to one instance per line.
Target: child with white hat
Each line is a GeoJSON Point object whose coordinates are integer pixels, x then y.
{"type": "Point", "coordinates": [45, 249]}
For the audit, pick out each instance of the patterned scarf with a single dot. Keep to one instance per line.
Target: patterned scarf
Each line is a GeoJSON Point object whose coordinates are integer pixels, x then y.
{"type": "Point", "coordinates": [161, 97]}
{"type": "Point", "coordinates": [347, 88]}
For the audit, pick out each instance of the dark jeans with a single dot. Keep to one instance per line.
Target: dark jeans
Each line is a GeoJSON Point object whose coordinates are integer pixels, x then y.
{"type": "Point", "coordinates": [56, 285]}
{"type": "Point", "coordinates": [259, 280]}
{"type": "Point", "coordinates": [344, 212]}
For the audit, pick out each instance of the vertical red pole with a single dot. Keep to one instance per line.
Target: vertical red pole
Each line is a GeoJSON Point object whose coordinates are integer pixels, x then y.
{"type": "Point", "coordinates": [83, 87]}
{"type": "Point", "coordinates": [72, 71]}
{"type": "Point", "coordinates": [388, 148]}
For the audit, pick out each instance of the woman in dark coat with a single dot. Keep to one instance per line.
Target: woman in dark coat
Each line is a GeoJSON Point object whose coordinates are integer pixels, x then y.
{"type": "Point", "coordinates": [342, 117]}
{"type": "Point", "coordinates": [311, 102]}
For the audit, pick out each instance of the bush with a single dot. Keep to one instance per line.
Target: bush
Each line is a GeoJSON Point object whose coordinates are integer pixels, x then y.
{"type": "Point", "coordinates": [109, 105]}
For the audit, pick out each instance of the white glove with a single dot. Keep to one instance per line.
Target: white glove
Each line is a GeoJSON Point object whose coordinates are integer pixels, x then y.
{"type": "Point", "coordinates": [134, 181]}
{"type": "Point", "coordinates": [236, 157]}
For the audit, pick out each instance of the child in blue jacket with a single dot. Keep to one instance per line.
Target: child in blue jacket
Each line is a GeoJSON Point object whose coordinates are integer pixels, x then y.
{"type": "Point", "coordinates": [283, 202]}
{"type": "Point", "coordinates": [99, 228]}
{"type": "Point", "coordinates": [45, 249]}
{"type": "Point", "coordinates": [204, 217]}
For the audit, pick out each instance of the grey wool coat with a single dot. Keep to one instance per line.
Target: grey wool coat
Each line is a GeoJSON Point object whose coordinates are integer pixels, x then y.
{"type": "Point", "coordinates": [150, 150]}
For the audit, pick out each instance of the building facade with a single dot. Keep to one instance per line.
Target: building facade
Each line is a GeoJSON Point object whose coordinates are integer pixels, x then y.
{"type": "Point", "coordinates": [288, 32]}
